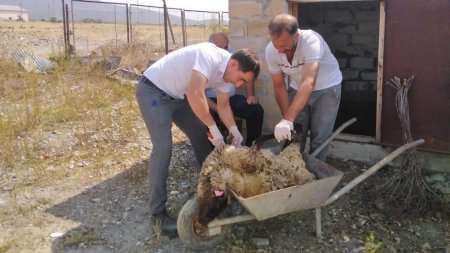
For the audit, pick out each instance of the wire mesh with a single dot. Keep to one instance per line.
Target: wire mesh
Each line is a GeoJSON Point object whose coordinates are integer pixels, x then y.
{"type": "Point", "coordinates": [96, 25]}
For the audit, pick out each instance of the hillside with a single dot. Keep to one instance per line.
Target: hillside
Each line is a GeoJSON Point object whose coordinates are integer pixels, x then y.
{"type": "Point", "coordinates": [109, 13]}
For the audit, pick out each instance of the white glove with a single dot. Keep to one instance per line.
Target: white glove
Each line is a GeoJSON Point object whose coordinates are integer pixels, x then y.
{"type": "Point", "coordinates": [283, 130]}
{"type": "Point", "coordinates": [237, 137]}
{"type": "Point", "coordinates": [216, 137]}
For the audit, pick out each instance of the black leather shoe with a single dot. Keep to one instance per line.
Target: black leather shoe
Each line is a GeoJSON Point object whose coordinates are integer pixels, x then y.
{"type": "Point", "coordinates": [163, 224]}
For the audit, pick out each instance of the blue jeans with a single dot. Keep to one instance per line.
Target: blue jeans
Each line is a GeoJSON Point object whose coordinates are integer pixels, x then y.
{"type": "Point", "coordinates": [253, 115]}
{"type": "Point", "coordinates": [318, 116]}
{"type": "Point", "coordinates": [159, 112]}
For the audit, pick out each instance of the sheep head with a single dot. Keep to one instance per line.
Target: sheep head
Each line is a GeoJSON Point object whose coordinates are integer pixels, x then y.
{"type": "Point", "coordinates": [218, 171]}
{"type": "Point", "coordinates": [212, 195]}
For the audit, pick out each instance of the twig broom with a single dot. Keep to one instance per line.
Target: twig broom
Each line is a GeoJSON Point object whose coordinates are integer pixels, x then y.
{"type": "Point", "coordinates": [407, 189]}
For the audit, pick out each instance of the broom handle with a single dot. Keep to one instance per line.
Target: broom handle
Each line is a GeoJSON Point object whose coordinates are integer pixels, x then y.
{"type": "Point", "coordinates": [372, 170]}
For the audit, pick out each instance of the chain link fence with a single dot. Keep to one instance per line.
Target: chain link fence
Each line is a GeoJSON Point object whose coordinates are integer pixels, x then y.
{"type": "Point", "coordinates": [92, 26]}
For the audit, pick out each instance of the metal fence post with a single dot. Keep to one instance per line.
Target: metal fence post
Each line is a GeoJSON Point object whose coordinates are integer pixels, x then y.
{"type": "Point", "coordinates": [183, 27]}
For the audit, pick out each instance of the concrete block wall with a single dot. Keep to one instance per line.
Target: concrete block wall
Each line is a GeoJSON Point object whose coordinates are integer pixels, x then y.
{"type": "Point", "coordinates": [351, 31]}
{"type": "Point", "coordinates": [248, 29]}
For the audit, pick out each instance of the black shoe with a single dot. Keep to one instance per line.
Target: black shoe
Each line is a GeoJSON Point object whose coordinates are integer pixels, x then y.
{"type": "Point", "coordinates": [163, 224]}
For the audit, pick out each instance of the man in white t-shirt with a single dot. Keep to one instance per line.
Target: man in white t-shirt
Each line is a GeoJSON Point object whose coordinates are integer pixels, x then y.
{"type": "Point", "coordinates": [172, 90]}
{"type": "Point", "coordinates": [246, 108]}
{"type": "Point", "coordinates": [314, 100]}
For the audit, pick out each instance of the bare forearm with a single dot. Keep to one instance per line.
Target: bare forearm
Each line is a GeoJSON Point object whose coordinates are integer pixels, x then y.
{"type": "Point", "coordinates": [301, 98]}
{"type": "Point", "coordinates": [200, 108]}
{"type": "Point", "coordinates": [281, 96]}
{"type": "Point", "coordinates": [310, 72]}
{"type": "Point", "coordinates": [227, 117]}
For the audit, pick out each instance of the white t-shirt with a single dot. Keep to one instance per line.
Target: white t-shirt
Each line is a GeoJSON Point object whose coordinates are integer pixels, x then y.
{"type": "Point", "coordinates": [172, 73]}
{"type": "Point", "coordinates": [311, 47]}
{"type": "Point", "coordinates": [212, 93]}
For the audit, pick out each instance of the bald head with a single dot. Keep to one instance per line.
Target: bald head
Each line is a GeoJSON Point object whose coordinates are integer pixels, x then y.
{"type": "Point", "coordinates": [220, 39]}
{"type": "Point", "coordinates": [283, 22]}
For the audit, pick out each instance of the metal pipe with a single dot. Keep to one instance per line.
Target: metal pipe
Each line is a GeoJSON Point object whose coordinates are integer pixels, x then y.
{"type": "Point", "coordinates": [165, 27]}
{"type": "Point", "coordinates": [318, 223]}
{"type": "Point", "coordinates": [231, 220]}
{"type": "Point", "coordinates": [183, 27]}
{"type": "Point", "coordinates": [64, 26]}
{"type": "Point", "coordinates": [69, 51]}
{"type": "Point", "coordinates": [128, 23]}
{"type": "Point", "coordinates": [73, 23]}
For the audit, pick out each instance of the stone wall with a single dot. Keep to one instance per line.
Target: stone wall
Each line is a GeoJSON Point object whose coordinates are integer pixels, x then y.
{"type": "Point", "coordinates": [351, 31]}
{"type": "Point", "coordinates": [248, 28]}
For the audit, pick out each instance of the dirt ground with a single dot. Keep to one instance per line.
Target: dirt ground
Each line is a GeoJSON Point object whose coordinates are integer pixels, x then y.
{"type": "Point", "coordinates": [111, 215]}
{"type": "Point", "coordinates": [75, 199]}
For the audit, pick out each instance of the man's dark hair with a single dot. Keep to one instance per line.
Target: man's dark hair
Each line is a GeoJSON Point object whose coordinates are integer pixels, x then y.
{"type": "Point", "coordinates": [283, 22]}
{"type": "Point", "coordinates": [248, 61]}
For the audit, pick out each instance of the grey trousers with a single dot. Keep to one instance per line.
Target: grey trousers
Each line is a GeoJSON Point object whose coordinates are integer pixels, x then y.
{"type": "Point", "coordinates": [159, 112]}
{"type": "Point", "coordinates": [318, 116]}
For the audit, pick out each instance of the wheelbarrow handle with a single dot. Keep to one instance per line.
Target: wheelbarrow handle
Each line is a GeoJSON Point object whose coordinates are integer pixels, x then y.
{"type": "Point", "coordinates": [372, 170]}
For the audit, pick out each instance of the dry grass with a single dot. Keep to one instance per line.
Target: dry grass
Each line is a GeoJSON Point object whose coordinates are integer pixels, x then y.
{"type": "Point", "coordinates": [46, 119]}
{"type": "Point", "coordinates": [73, 114]}
{"type": "Point", "coordinates": [72, 123]}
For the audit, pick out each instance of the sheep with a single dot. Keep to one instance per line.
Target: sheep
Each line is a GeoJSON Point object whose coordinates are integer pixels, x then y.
{"type": "Point", "coordinates": [248, 172]}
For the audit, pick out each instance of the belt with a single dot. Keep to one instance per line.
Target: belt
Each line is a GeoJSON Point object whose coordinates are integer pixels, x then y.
{"type": "Point", "coordinates": [147, 81]}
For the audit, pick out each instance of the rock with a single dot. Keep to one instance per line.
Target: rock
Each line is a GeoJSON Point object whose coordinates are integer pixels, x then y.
{"type": "Point", "coordinates": [260, 242]}
{"type": "Point", "coordinates": [426, 246]}
{"type": "Point", "coordinates": [391, 249]}
{"type": "Point", "coordinates": [56, 234]}
{"type": "Point", "coordinates": [346, 238]}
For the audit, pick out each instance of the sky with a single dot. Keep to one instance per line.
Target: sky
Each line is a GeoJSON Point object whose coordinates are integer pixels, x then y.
{"type": "Point", "coordinates": [207, 5]}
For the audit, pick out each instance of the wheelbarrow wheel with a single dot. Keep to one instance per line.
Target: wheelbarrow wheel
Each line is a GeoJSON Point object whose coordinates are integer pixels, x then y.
{"type": "Point", "coordinates": [189, 233]}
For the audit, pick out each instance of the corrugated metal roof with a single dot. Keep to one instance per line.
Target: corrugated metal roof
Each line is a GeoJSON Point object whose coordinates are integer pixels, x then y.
{"type": "Point", "coordinates": [12, 8]}
{"type": "Point", "coordinates": [31, 62]}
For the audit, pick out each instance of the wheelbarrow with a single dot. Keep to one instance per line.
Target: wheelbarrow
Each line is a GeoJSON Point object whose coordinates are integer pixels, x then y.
{"type": "Point", "coordinates": [315, 195]}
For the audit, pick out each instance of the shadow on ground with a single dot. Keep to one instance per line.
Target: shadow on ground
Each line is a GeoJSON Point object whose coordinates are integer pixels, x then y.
{"type": "Point", "coordinates": [113, 216]}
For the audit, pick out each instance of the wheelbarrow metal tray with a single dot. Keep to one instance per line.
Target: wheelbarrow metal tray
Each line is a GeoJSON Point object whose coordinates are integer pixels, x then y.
{"type": "Point", "coordinates": [295, 198]}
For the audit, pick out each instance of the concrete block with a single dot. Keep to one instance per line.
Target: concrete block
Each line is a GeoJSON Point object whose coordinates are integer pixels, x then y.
{"type": "Point", "coordinates": [347, 29]}
{"type": "Point", "coordinates": [366, 40]}
{"type": "Point", "coordinates": [244, 9]}
{"type": "Point", "coordinates": [326, 30]}
{"type": "Point", "coordinates": [366, 16]}
{"type": "Point", "coordinates": [362, 63]}
{"type": "Point", "coordinates": [369, 75]}
{"type": "Point", "coordinates": [258, 27]}
{"type": "Point", "coordinates": [353, 86]}
{"type": "Point", "coordinates": [260, 88]}
{"type": "Point", "coordinates": [338, 40]}
{"type": "Point", "coordinates": [342, 62]}
{"type": "Point", "coordinates": [368, 28]}
{"type": "Point", "coordinates": [350, 74]}
{"type": "Point", "coordinates": [350, 51]}
{"type": "Point", "coordinates": [274, 7]}
{"type": "Point", "coordinates": [237, 27]}
{"type": "Point", "coordinates": [257, 45]}
{"type": "Point", "coordinates": [342, 16]}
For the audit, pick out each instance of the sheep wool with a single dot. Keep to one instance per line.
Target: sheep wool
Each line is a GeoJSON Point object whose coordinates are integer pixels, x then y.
{"type": "Point", "coordinates": [250, 172]}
